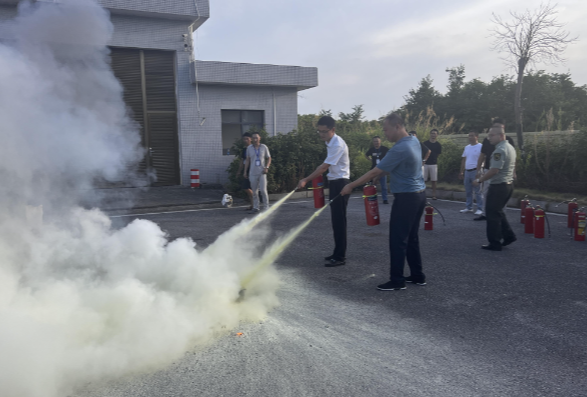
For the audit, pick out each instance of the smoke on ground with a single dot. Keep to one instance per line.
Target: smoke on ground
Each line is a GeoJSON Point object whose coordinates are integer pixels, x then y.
{"type": "Point", "coordinates": [80, 301]}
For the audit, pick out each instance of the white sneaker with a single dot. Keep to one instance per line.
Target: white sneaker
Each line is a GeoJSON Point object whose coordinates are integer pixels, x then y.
{"type": "Point", "coordinates": [466, 210]}
{"type": "Point", "coordinates": [478, 212]}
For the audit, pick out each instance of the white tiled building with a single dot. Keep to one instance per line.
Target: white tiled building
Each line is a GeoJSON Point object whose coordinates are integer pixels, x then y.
{"type": "Point", "coordinates": [191, 111]}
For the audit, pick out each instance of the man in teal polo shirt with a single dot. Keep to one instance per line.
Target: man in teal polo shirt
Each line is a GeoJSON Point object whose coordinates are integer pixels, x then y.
{"type": "Point", "coordinates": [404, 164]}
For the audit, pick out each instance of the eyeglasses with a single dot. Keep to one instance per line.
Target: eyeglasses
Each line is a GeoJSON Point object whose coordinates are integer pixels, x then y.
{"type": "Point", "coordinates": [323, 132]}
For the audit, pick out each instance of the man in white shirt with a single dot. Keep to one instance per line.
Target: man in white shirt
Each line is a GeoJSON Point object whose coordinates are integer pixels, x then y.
{"type": "Point", "coordinates": [257, 165]}
{"type": "Point", "coordinates": [469, 173]}
{"type": "Point", "coordinates": [339, 172]}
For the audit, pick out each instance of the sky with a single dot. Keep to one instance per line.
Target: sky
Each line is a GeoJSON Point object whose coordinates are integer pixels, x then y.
{"type": "Point", "coordinates": [373, 52]}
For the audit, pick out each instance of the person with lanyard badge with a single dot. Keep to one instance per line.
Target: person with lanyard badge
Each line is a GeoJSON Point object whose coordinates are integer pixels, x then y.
{"type": "Point", "coordinates": [500, 177]}
{"type": "Point", "coordinates": [376, 153]}
{"type": "Point", "coordinates": [246, 184]}
{"type": "Point", "coordinates": [339, 171]}
{"type": "Point", "coordinates": [403, 162]}
{"type": "Point", "coordinates": [257, 173]}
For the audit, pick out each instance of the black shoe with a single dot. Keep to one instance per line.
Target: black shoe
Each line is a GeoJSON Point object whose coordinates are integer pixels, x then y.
{"type": "Point", "coordinates": [331, 257]}
{"type": "Point", "coordinates": [491, 247]}
{"type": "Point", "coordinates": [385, 202]}
{"type": "Point", "coordinates": [480, 218]}
{"type": "Point", "coordinates": [334, 263]}
{"type": "Point", "coordinates": [509, 241]}
{"type": "Point", "coordinates": [416, 280]}
{"type": "Point", "coordinates": [391, 286]}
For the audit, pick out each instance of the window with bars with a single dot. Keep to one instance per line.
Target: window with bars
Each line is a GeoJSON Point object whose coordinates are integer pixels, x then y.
{"type": "Point", "coordinates": [235, 123]}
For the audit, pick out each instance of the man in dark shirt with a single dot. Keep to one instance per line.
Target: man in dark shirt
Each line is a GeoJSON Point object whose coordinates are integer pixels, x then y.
{"type": "Point", "coordinates": [431, 165]}
{"type": "Point", "coordinates": [246, 184]}
{"type": "Point", "coordinates": [425, 151]}
{"type": "Point", "coordinates": [376, 153]}
{"type": "Point", "coordinates": [484, 162]}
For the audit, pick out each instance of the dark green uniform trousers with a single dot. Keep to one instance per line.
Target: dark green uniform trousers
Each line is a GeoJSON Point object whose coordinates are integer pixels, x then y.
{"type": "Point", "coordinates": [498, 227]}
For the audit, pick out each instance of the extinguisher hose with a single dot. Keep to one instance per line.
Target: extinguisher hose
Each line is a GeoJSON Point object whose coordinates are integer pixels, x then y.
{"type": "Point", "coordinates": [439, 213]}
{"type": "Point", "coordinates": [547, 224]}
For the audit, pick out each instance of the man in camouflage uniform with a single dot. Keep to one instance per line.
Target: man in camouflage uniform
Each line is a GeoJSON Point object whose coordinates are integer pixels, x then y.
{"type": "Point", "coordinates": [500, 177]}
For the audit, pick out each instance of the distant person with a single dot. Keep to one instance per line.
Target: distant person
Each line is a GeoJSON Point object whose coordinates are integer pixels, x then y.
{"type": "Point", "coordinates": [257, 166]}
{"type": "Point", "coordinates": [246, 184]}
{"type": "Point", "coordinates": [338, 165]}
{"type": "Point", "coordinates": [403, 162]}
{"type": "Point", "coordinates": [431, 164]}
{"type": "Point", "coordinates": [469, 173]}
{"type": "Point", "coordinates": [425, 151]}
{"type": "Point", "coordinates": [376, 153]}
{"type": "Point", "coordinates": [484, 162]}
{"type": "Point", "coordinates": [500, 177]}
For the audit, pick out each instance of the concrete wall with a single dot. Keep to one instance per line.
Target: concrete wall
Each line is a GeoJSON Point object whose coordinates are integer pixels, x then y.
{"type": "Point", "coordinates": [202, 144]}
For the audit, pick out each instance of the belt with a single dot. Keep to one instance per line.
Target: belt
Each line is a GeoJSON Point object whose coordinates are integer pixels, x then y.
{"type": "Point", "coordinates": [419, 191]}
{"type": "Point", "coordinates": [472, 169]}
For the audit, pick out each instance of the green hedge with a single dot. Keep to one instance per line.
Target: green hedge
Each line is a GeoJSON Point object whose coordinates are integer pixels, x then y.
{"type": "Point", "coordinates": [555, 165]}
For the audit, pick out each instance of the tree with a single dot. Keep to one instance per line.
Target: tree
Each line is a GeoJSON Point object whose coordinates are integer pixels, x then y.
{"type": "Point", "coordinates": [423, 97]}
{"type": "Point", "coordinates": [529, 38]}
{"type": "Point", "coordinates": [354, 117]}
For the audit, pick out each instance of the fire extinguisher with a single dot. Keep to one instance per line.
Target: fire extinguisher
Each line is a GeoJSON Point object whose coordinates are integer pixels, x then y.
{"type": "Point", "coordinates": [318, 188]}
{"type": "Point", "coordinates": [523, 204]}
{"type": "Point", "coordinates": [539, 220]}
{"type": "Point", "coordinates": [580, 224]}
{"type": "Point", "coordinates": [371, 206]}
{"type": "Point", "coordinates": [428, 216]}
{"type": "Point", "coordinates": [572, 208]}
{"type": "Point", "coordinates": [529, 222]}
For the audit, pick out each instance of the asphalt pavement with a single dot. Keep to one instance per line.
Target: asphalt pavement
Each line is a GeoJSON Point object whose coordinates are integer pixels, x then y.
{"type": "Point", "coordinates": [510, 323]}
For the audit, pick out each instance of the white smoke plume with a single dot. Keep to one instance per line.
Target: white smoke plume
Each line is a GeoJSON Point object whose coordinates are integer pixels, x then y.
{"type": "Point", "coordinates": [80, 301]}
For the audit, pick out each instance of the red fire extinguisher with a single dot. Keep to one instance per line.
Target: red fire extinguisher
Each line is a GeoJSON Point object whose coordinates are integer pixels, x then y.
{"type": "Point", "coordinates": [573, 208]}
{"type": "Point", "coordinates": [428, 217]}
{"type": "Point", "coordinates": [523, 204]}
{"type": "Point", "coordinates": [580, 224]}
{"type": "Point", "coordinates": [371, 206]}
{"type": "Point", "coordinates": [539, 218]}
{"type": "Point", "coordinates": [529, 222]}
{"type": "Point", "coordinates": [318, 188]}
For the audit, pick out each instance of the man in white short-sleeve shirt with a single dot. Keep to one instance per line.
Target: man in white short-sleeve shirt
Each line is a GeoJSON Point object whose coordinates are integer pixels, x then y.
{"type": "Point", "coordinates": [339, 172]}
{"type": "Point", "coordinates": [469, 172]}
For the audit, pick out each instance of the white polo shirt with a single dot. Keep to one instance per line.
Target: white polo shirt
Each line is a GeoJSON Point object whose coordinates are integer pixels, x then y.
{"type": "Point", "coordinates": [472, 153]}
{"type": "Point", "coordinates": [338, 159]}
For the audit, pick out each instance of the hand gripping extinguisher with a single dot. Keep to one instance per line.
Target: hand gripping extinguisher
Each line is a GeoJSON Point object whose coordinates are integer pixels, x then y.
{"type": "Point", "coordinates": [539, 220]}
{"type": "Point", "coordinates": [371, 206]}
{"type": "Point", "coordinates": [428, 216]}
{"type": "Point", "coordinates": [523, 204]}
{"type": "Point", "coordinates": [318, 189]}
{"type": "Point", "coordinates": [529, 219]}
{"type": "Point", "coordinates": [580, 224]}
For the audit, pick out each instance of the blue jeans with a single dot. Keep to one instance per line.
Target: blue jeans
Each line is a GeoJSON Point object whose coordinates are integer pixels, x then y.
{"type": "Point", "coordinates": [470, 189]}
{"type": "Point", "coordinates": [383, 183]}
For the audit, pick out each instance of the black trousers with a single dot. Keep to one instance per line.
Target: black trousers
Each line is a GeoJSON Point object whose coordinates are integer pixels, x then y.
{"type": "Point", "coordinates": [498, 227]}
{"type": "Point", "coordinates": [338, 216]}
{"type": "Point", "coordinates": [404, 223]}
